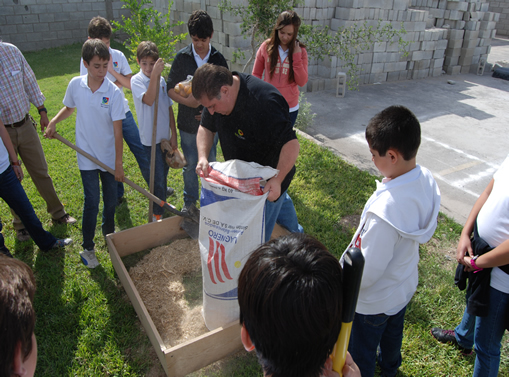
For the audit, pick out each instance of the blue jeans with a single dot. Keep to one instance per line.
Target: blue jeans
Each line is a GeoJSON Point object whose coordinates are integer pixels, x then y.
{"type": "Point", "coordinates": [90, 179]}
{"type": "Point", "coordinates": [160, 176]}
{"type": "Point", "coordinates": [486, 333]}
{"type": "Point", "coordinates": [293, 116]}
{"type": "Point", "coordinates": [272, 210]}
{"type": "Point", "coordinates": [14, 195]}
{"type": "Point", "coordinates": [373, 332]}
{"type": "Point", "coordinates": [131, 136]}
{"type": "Point", "coordinates": [287, 216]}
{"type": "Point", "coordinates": [188, 144]}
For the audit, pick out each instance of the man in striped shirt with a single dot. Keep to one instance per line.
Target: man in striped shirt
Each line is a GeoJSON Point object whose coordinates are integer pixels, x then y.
{"type": "Point", "coordinates": [18, 89]}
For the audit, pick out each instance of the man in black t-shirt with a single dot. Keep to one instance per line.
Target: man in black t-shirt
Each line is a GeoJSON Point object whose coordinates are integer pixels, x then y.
{"type": "Point", "coordinates": [253, 123]}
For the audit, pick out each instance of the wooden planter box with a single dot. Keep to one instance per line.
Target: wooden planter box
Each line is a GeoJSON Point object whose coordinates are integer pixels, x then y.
{"type": "Point", "coordinates": [194, 354]}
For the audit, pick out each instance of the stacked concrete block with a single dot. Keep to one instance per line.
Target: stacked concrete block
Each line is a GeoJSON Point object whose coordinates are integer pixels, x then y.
{"type": "Point", "coordinates": [501, 7]}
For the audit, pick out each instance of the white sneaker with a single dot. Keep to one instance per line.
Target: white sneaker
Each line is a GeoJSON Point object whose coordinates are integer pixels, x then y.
{"type": "Point", "coordinates": [89, 259]}
{"type": "Point", "coordinates": [157, 218]}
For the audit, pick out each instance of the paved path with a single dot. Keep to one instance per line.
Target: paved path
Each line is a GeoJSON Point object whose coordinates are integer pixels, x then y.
{"type": "Point", "coordinates": [464, 127]}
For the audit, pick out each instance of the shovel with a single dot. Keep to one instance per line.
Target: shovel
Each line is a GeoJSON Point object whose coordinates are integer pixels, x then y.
{"type": "Point", "coordinates": [352, 274]}
{"type": "Point", "coordinates": [190, 224]}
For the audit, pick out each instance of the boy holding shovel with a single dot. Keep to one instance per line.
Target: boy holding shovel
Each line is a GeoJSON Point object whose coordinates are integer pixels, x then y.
{"type": "Point", "coordinates": [98, 128]}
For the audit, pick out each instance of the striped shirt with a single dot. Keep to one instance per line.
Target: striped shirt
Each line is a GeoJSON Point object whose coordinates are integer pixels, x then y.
{"type": "Point", "coordinates": [18, 85]}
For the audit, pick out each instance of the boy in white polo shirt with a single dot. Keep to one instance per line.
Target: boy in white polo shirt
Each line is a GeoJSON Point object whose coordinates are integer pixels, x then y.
{"type": "Point", "coordinates": [144, 86]}
{"type": "Point", "coordinates": [119, 73]}
{"type": "Point", "coordinates": [99, 133]}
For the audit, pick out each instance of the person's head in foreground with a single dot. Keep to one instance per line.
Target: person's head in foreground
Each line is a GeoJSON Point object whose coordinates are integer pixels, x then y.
{"type": "Point", "coordinates": [290, 297]}
{"type": "Point", "coordinates": [18, 347]}
{"type": "Point", "coordinates": [213, 87]}
{"type": "Point", "coordinates": [394, 136]}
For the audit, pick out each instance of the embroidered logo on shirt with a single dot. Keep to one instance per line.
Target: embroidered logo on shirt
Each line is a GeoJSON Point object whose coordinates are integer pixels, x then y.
{"type": "Point", "coordinates": [105, 102]}
{"type": "Point", "coordinates": [115, 64]}
{"type": "Point", "coordinates": [240, 134]}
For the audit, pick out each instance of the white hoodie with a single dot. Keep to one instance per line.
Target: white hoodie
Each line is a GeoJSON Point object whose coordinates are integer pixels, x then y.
{"type": "Point", "coordinates": [400, 215]}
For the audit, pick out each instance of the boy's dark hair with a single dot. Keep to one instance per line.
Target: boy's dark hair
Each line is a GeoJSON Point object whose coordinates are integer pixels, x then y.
{"type": "Point", "coordinates": [99, 27]}
{"type": "Point", "coordinates": [290, 297]}
{"type": "Point", "coordinates": [94, 47]}
{"type": "Point", "coordinates": [17, 314]}
{"type": "Point", "coordinates": [208, 80]}
{"type": "Point", "coordinates": [200, 24]}
{"type": "Point", "coordinates": [147, 49]}
{"type": "Point", "coordinates": [397, 128]}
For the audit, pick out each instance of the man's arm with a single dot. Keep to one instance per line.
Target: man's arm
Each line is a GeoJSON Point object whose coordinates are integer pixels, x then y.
{"type": "Point", "coordinates": [464, 246]}
{"type": "Point", "coordinates": [287, 158]}
{"type": "Point", "coordinates": [64, 113]}
{"type": "Point", "coordinates": [119, 150]}
{"type": "Point", "coordinates": [12, 153]}
{"type": "Point", "coordinates": [44, 121]}
{"type": "Point", "coordinates": [204, 141]}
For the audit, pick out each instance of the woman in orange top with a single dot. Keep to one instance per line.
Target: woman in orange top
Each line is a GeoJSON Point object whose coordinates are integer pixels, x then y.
{"type": "Point", "coordinates": [284, 60]}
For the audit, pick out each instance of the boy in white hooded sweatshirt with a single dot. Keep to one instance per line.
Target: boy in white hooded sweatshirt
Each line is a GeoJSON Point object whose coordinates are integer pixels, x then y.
{"type": "Point", "coordinates": [400, 215]}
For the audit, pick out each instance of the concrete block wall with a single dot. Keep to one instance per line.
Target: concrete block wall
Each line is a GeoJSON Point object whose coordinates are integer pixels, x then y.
{"type": "Point", "coordinates": [501, 7]}
{"type": "Point", "coordinates": [471, 27]}
{"type": "Point", "coordinates": [38, 24]}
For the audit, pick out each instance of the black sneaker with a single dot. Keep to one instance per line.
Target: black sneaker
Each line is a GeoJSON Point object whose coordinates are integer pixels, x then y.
{"type": "Point", "coordinates": [449, 336]}
{"type": "Point", "coordinates": [169, 191]}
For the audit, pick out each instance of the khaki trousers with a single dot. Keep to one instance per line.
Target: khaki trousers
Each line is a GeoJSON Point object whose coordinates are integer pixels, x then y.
{"type": "Point", "coordinates": [28, 146]}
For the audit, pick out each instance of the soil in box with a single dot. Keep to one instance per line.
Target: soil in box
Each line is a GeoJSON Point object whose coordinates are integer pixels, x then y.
{"type": "Point", "coordinates": [169, 281]}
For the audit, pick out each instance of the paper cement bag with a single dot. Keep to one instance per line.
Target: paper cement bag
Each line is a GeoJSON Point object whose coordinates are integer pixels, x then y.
{"type": "Point", "coordinates": [231, 227]}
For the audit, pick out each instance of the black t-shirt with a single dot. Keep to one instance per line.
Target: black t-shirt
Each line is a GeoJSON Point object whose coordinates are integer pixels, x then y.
{"type": "Point", "coordinates": [258, 126]}
{"type": "Point", "coordinates": [183, 65]}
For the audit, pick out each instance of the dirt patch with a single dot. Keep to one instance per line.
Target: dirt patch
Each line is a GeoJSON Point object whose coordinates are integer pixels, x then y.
{"type": "Point", "coordinates": [350, 222]}
{"type": "Point", "coordinates": [160, 279]}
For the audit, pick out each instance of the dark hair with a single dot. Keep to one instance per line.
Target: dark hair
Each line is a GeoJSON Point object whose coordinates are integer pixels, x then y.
{"type": "Point", "coordinates": [397, 128]}
{"type": "Point", "coordinates": [288, 17]}
{"type": "Point", "coordinates": [290, 297]}
{"type": "Point", "coordinates": [208, 80]}
{"type": "Point", "coordinates": [147, 49]}
{"type": "Point", "coordinates": [17, 314]}
{"type": "Point", "coordinates": [200, 24]}
{"type": "Point", "coordinates": [94, 47]}
{"type": "Point", "coordinates": [99, 27]}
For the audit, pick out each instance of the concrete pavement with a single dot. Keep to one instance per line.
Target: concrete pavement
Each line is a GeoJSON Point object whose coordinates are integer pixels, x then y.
{"type": "Point", "coordinates": [464, 127]}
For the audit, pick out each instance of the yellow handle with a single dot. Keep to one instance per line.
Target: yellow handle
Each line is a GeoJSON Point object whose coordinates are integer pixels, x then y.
{"type": "Point", "coordinates": [341, 348]}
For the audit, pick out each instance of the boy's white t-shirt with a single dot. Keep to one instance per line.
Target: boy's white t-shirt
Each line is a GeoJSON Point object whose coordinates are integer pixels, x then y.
{"type": "Point", "coordinates": [120, 65]}
{"type": "Point", "coordinates": [145, 113]}
{"type": "Point", "coordinates": [94, 119]}
{"type": "Point", "coordinates": [493, 221]}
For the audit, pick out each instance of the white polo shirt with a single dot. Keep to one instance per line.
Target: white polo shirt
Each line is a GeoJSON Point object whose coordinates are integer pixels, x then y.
{"type": "Point", "coordinates": [145, 113]}
{"type": "Point", "coordinates": [120, 65]}
{"type": "Point", "coordinates": [94, 119]}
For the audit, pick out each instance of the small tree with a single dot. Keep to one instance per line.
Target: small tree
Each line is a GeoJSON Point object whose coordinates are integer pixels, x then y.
{"type": "Point", "coordinates": [148, 24]}
{"type": "Point", "coordinates": [259, 18]}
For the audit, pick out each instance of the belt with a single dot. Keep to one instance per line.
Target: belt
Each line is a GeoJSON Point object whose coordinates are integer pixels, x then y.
{"type": "Point", "coordinates": [18, 124]}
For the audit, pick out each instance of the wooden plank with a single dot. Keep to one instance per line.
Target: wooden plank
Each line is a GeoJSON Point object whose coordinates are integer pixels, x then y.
{"type": "Point", "coordinates": [203, 350]}
{"type": "Point", "coordinates": [147, 236]}
{"type": "Point", "coordinates": [137, 302]}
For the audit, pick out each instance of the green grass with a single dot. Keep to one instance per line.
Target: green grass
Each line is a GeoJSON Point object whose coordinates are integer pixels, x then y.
{"type": "Point", "coordinates": [86, 325]}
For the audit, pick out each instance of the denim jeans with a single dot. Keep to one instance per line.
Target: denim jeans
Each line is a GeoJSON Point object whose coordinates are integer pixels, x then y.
{"type": "Point", "coordinates": [90, 179]}
{"type": "Point", "coordinates": [486, 333]}
{"type": "Point", "coordinates": [14, 195]}
{"type": "Point", "coordinates": [131, 136]}
{"type": "Point", "coordinates": [160, 177]}
{"type": "Point", "coordinates": [287, 216]}
{"type": "Point", "coordinates": [272, 210]}
{"type": "Point", "coordinates": [188, 144]}
{"type": "Point", "coordinates": [377, 332]}
{"type": "Point", "coordinates": [293, 116]}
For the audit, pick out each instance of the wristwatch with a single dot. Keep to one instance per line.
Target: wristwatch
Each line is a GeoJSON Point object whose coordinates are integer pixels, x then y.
{"type": "Point", "coordinates": [41, 110]}
{"type": "Point", "coordinates": [472, 263]}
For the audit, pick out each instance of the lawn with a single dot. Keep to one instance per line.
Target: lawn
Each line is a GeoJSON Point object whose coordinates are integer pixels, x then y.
{"type": "Point", "coordinates": [86, 325]}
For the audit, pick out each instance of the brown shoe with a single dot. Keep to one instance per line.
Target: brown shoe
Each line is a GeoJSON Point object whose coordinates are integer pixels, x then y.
{"type": "Point", "coordinates": [66, 219]}
{"type": "Point", "coordinates": [22, 235]}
